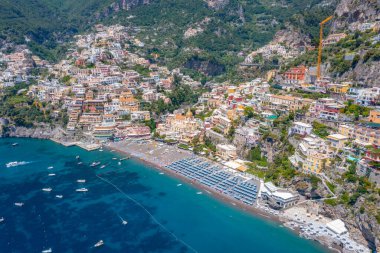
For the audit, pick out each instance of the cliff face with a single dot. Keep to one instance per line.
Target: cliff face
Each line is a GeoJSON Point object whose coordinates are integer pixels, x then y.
{"type": "Point", "coordinates": [350, 13]}
{"type": "Point", "coordinates": [120, 5]}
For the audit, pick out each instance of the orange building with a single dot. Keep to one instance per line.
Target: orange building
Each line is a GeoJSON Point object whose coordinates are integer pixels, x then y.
{"type": "Point", "coordinates": [295, 75]}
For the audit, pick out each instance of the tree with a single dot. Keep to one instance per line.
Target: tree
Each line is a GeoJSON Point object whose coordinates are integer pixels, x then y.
{"type": "Point", "coordinates": [248, 112]}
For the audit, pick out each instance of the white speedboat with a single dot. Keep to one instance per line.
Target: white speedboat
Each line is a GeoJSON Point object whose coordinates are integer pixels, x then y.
{"type": "Point", "coordinates": [98, 244]}
{"type": "Point", "coordinates": [49, 250]}
{"type": "Point", "coordinates": [179, 184]}
{"type": "Point", "coordinates": [162, 173]}
{"type": "Point", "coordinates": [47, 189]}
{"type": "Point", "coordinates": [79, 163]}
{"type": "Point", "coordinates": [199, 193]}
{"type": "Point", "coordinates": [59, 196]}
{"type": "Point", "coordinates": [14, 144]}
{"type": "Point", "coordinates": [2, 219]}
{"type": "Point", "coordinates": [14, 164]}
{"type": "Point", "coordinates": [103, 166]}
{"type": "Point", "coordinates": [50, 167]}
{"type": "Point", "coordinates": [114, 158]}
{"type": "Point", "coordinates": [19, 204]}
{"type": "Point", "coordinates": [51, 175]}
{"type": "Point", "coordinates": [82, 190]}
{"type": "Point", "coordinates": [94, 164]}
{"type": "Point", "coordinates": [119, 163]}
{"type": "Point", "coordinates": [77, 157]}
{"type": "Point", "coordinates": [81, 181]}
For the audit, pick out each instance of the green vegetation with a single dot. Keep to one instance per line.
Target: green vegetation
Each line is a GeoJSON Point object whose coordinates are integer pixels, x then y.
{"type": "Point", "coordinates": [255, 157]}
{"type": "Point", "coordinates": [359, 45]}
{"type": "Point", "coordinates": [23, 111]}
{"type": "Point", "coordinates": [320, 129]}
{"type": "Point", "coordinates": [356, 110]}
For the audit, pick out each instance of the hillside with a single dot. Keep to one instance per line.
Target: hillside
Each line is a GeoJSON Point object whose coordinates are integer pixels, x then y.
{"type": "Point", "coordinates": [232, 26]}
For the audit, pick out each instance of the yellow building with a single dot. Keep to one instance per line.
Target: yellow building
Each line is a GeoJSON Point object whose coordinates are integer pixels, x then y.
{"type": "Point", "coordinates": [362, 135]}
{"type": "Point", "coordinates": [374, 116]}
{"type": "Point", "coordinates": [231, 89]}
{"type": "Point", "coordinates": [339, 88]}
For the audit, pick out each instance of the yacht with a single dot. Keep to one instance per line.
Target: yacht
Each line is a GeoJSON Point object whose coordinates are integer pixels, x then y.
{"type": "Point", "coordinates": [14, 144]}
{"type": "Point", "coordinates": [114, 158]}
{"type": "Point", "coordinates": [103, 166]}
{"type": "Point", "coordinates": [119, 163]}
{"type": "Point", "coordinates": [81, 181]}
{"type": "Point", "coordinates": [82, 190]}
{"type": "Point", "coordinates": [51, 175]}
{"type": "Point", "coordinates": [98, 244]}
{"type": "Point", "coordinates": [179, 184]}
{"type": "Point", "coordinates": [59, 196]}
{"type": "Point", "coordinates": [77, 157]}
{"type": "Point", "coordinates": [47, 189]}
{"type": "Point", "coordinates": [19, 204]}
{"type": "Point", "coordinates": [2, 219]}
{"type": "Point", "coordinates": [199, 193]}
{"type": "Point", "coordinates": [79, 163]}
{"type": "Point", "coordinates": [50, 167]}
{"type": "Point", "coordinates": [49, 250]}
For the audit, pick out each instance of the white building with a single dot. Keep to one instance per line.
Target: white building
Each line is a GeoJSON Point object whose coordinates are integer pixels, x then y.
{"type": "Point", "coordinates": [301, 128]}
{"type": "Point", "coordinates": [278, 198]}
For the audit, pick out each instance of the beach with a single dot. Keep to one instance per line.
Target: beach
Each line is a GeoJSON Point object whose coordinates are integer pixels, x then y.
{"type": "Point", "coordinates": [160, 155]}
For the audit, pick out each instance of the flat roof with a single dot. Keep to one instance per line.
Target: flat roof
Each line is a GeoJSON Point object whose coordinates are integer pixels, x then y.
{"type": "Point", "coordinates": [337, 226]}
{"type": "Point", "coordinates": [302, 124]}
{"type": "Point", "coordinates": [337, 137]}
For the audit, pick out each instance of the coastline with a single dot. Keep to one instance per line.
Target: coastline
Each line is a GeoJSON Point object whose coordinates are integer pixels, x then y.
{"type": "Point", "coordinates": [280, 219]}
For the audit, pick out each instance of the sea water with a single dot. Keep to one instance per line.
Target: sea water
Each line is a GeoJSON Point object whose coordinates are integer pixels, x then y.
{"type": "Point", "coordinates": [163, 214]}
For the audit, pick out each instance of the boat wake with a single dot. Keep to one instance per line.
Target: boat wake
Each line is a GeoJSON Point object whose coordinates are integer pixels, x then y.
{"type": "Point", "coordinates": [15, 164]}
{"type": "Point", "coordinates": [149, 213]}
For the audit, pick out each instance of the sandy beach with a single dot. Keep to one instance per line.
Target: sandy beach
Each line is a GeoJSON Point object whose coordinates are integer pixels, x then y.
{"type": "Point", "coordinates": [159, 155]}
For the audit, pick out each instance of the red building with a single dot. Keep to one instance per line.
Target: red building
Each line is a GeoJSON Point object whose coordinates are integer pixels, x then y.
{"type": "Point", "coordinates": [295, 75]}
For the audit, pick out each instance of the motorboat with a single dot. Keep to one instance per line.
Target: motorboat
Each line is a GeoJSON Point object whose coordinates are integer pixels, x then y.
{"type": "Point", "coordinates": [51, 175]}
{"type": "Point", "coordinates": [103, 166]}
{"type": "Point", "coordinates": [14, 164]}
{"type": "Point", "coordinates": [77, 157]}
{"type": "Point", "coordinates": [94, 164]}
{"type": "Point", "coordinates": [14, 144]}
{"type": "Point", "coordinates": [114, 158]}
{"type": "Point", "coordinates": [50, 167]}
{"type": "Point", "coordinates": [98, 244]}
{"type": "Point", "coordinates": [199, 193]}
{"type": "Point", "coordinates": [2, 219]}
{"type": "Point", "coordinates": [82, 190]}
{"type": "Point", "coordinates": [179, 184]}
{"type": "Point", "coordinates": [49, 250]}
{"type": "Point", "coordinates": [47, 189]}
{"type": "Point", "coordinates": [119, 163]}
{"type": "Point", "coordinates": [79, 163]}
{"type": "Point", "coordinates": [59, 196]}
{"type": "Point", "coordinates": [81, 181]}
{"type": "Point", "coordinates": [19, 204]}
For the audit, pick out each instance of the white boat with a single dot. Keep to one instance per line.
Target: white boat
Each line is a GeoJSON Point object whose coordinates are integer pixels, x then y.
{"type": "Point", "coordinates": [47, 189]}
{"type": "Point", "coordinates": [79, 163]}
{"type": "Point", "coordinates": [199, 193]}
{"type": "Point", "coordinates": [103, 166]}
{"type": "Point", "coordinates": [59, 196]}
{"type": "Point", "coordinates": [51, 175]}
{"type": "Point", "coordinates": [81, 181]}
{"type": "Point", "coordinates": [50, 167]}
{"type": "Point", "coordinates": [14, 144]}
{"type": "Point", "coordinates": [119, 163]}
{"type": "Point", "coordinates": [162, 173]}
{"type": "Point", "coordinates": [124, 222]}
{"type": "Point", "coordinates": [2, 219]}
{"type": "Point", "coordinates": [77, 157]}
{"type": "Point", "coordinates": [19, 204]}
{"type": "Point", "coordinates": [94, 164]}
{"type": "Point", "coordinates": [82, 190]}
{"type": "Point", "coordinates": [114, 158]}
{"type": "Point", "coordinates": [14, 164]}
{"type": "Point", "coordinates": [98, 244]}
{"type": "Point", "coordinates": [179, 184]}
{"type": "Point", "coordinates": [49, 250]}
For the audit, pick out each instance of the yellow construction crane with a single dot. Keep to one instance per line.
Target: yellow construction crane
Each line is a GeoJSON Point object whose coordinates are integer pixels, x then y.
{"type": "Point", "coordinates": [320, 46]}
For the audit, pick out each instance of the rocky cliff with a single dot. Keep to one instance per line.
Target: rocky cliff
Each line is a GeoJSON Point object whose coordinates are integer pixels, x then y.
{"type": "Point", "coordinates": [120, 5]}
{"type": "Point", "coordinates": [350, 13]}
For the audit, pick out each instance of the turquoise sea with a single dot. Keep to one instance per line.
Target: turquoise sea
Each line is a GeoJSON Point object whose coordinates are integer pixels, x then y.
{"type": "Point", "coordinates": [162, 214]}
